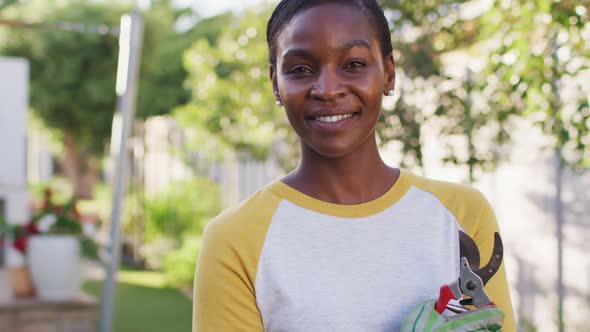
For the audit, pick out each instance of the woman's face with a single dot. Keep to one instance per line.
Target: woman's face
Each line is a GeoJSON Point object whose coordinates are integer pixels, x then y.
{"type": "Point", "coordinates": [330, 76]}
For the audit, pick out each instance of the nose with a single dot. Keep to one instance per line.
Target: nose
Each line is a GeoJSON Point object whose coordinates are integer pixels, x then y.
{"type": "Point", "coordinates": [328, 86]}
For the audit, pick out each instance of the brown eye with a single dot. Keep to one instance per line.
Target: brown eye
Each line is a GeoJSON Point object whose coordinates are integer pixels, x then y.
{"type": "Point", "coordinates": [299, 70]}
{"type": "Point", "coordinates": [355, 65]}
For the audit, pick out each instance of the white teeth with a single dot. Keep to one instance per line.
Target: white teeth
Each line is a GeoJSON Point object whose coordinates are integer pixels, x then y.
{"type": "Point", "coordinates": [333, 118]}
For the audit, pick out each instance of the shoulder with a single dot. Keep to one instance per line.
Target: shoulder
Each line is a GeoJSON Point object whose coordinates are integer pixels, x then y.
{"type": "Point", "coordinates": [448, 192]}
{"type": "Point", "coordinates": [245, 222]}
{"type": "Point", "coordinates": [224, 297]}
{"type": "Point", "coordinates": [467, 204]}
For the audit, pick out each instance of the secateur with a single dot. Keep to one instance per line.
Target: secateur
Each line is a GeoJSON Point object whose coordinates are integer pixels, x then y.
{"type": "Point", "coordinates": [472, 278]}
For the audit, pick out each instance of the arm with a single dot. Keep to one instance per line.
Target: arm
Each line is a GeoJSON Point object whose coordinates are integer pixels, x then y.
{"type": "Point", "coordinates": [224, 298]}
{"type": "Point", "coordinates": [497, 288]}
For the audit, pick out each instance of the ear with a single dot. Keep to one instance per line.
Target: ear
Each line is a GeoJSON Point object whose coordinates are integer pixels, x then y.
{"type": "Point", "coordinates": [389, 66]}
{"type": "Point", "coordinates": [273, 78]}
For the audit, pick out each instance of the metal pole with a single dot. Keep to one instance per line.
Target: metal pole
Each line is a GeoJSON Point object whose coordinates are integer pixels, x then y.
{"type": "Point", "coordinates": [130, 43]}
{"type": "Point", "coordinates": [556, 106]}
{"type": "Point", "coordinates": [469, 118]}
{"type": "Point", "coordinates": [560, 222]}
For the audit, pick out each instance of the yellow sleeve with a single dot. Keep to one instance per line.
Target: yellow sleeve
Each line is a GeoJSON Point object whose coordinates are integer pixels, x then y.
{"type": "Point", "coordinates": [224, 289]}
{"type": "Point", "coordinates": [497, 288]}
{"type": "Point", "coordinates": [475, 215]}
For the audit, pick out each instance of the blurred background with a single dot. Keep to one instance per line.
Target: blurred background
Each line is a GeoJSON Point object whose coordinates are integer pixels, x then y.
{"type": "Point", "coordinates": [492, 93]}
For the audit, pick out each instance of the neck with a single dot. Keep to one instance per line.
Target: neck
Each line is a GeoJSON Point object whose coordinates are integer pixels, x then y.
{"type": "Point", "coordinates": [355, 178]}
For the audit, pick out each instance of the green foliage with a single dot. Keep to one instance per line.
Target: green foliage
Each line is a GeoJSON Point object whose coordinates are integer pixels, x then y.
{"type": "Point", "coordinates": [539, 68]}
{"type": "Point", "coordinates": [17, 234]}
{"type": "Point", "coordinates": [66, 222]}
{"type": "Point", "coordinates": [155, 251]}
{"type": "Point", "coordinates": [73, 73]}
{"type": "Point", "coordinates": [6, 3]}
{"type": "Point", "coordinates": [73, 63]}
{"type": "Point", "coordinates": [169, 219]}
{"type": "Point", "coordinates": [468, 116]}
{"type": "Point", "coordinates": [162, 73]}
{"type": "Point", "coordinates": [154, 225]}
{"type": "Point", "coordinates": [528, 326]}
{"type": "Point", "coordinates": [183, 209]}
{"type": "Point", "coordinates": [232, 95]}
{"type": "Point", "coordinates": [424, 30]}
{"type": "Point", "coordinates": [211, 28]}
{"type": "Point", "coordinates": [180, 265]}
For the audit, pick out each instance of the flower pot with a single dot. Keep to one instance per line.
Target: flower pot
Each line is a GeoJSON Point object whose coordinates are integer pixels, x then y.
{"type": "Point", "coordinates": [54, 262]}
{"type": "Point", "coordinates": [22, 285]}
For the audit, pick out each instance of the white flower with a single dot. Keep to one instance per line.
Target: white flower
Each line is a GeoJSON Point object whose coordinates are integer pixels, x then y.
{"type": "Point", "coordinates": [45, 223]}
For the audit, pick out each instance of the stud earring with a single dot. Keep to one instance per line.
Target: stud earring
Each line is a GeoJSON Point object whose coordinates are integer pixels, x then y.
{"type": "Point", "coordinates": [390, 92]}
{"type": "Point", "coordinates": [278, 103]}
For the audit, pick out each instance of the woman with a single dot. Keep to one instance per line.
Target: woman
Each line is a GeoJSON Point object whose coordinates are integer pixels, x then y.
{"type": "Point", "coordinates": [344, 242]}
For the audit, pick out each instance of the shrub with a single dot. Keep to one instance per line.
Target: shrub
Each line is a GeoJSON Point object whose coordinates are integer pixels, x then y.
{"type": "Point", "coordinates": [182, 209]}
{"type": "Point", "coordinates": [163, 221]}
{"type": "Point", "coordinates": [155, 252]}
{"type": "Point", "coordinates": [179, 265]}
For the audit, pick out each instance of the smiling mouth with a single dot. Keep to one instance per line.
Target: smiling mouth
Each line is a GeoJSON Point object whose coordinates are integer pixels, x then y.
{"type": "Point", "coordinates": [332, 118]}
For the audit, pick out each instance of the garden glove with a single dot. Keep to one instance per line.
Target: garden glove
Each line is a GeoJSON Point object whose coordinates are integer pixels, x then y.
{"type": "Point", "coordinates": [426, 319]}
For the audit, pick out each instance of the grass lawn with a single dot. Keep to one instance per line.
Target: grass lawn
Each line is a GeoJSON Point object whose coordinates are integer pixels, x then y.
{"type": "Point", "coordinates": [145, 304]}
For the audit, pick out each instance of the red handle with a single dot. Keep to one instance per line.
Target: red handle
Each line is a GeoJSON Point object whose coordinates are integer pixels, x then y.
{"type": "Point", "coordinates": [445, 295]}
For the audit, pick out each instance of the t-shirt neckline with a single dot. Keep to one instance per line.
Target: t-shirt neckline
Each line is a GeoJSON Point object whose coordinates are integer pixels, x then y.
{"type": "Point", "coordinates": [390, 197]}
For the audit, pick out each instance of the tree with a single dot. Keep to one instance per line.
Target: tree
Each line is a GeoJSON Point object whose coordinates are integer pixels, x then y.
{"type": "Point", "coordinates": [232, 95]}
{"type": "Point", "coordinates": [162, 74]}
{"type": "Point", "coordinates": [427, 37]}
{"type": "Point", "coordinates": [540, 69]}
{"type": "Point", "coordinates": [73, 73]}
{"type": "Point", "coordinates": [6, 3]}
{"type": "Point", "coordinates": [541, 54]}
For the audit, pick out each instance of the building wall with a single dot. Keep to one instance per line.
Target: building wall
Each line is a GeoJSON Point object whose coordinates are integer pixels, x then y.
{"type": "Point", "coordinates": [14, 76]}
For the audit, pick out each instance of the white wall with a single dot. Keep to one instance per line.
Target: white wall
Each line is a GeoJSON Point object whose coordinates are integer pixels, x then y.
{"type": "Point", "coordinates": [163, 165]}
{"type": "Point", "coordinates": [14, 76]}
{"type": "Point", "coordinates": [523, 194]}
{"type": "Point", "coordinates": [40, 161]}
{"type": "Point", "coordinates": [162, 162]}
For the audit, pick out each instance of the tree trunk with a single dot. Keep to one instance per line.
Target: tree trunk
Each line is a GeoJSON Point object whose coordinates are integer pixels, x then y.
{"type": "Point", "coordinates": [80, 168]}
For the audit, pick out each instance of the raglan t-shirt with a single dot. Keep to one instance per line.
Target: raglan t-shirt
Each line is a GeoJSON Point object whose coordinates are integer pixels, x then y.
{"type": "Point", "coordinates": [284, 261]}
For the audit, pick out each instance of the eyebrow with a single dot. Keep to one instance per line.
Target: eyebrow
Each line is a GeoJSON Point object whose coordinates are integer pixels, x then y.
{"type": "Point", "coordinates": [298, 52]}
{"type": "Point", "coordinates": [352, 44]}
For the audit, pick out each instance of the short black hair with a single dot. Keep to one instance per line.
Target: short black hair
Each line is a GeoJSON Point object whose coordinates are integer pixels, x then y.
{"type": "Point", "coordinates": [287, 9]}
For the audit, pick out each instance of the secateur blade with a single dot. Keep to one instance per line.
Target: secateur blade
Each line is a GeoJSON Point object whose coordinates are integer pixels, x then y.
{"type": "Point", "coordinates": [468, 249]}
{"type": "Point", "coordinates": [488, 271]}
{"type": "Point", "coordinates": [470, 252]}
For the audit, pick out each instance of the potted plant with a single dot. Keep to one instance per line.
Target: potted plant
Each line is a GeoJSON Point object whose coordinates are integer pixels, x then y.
{"type": "Point", "coordinates": [20, 279]}
{"type": "Point", "coordinates": [51, 242]}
